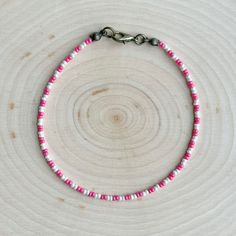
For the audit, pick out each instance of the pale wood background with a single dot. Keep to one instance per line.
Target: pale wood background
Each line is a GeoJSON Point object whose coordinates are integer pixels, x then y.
{"type": "Point", "coordinates": [119, 119]}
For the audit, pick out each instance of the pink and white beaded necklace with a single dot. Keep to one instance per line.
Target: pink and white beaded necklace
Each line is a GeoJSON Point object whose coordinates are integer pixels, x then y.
{"type": "Point", "coordinates": [123, 38]}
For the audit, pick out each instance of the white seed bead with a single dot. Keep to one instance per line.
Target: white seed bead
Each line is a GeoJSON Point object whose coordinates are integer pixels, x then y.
{"type": "Point", "coordinates": [56, 74]}
{"type": "Point", "coordinates": [49, 85]}
{"type": "Point", "coordinates": [63, 64]}
{"type": "Point", "coordinates": [85, 192]}
{"type": "Point", "coordinates": [166, 48]}
{"type": "Point", "coordinates": [43, 145]}
{"type": "Point", "coordinates": [55, 168]}
{"type": "Point", "coordinates": [166, 180]}
{"type": "Point", "coordinates": [40, 122]}
{"type": "Point", "coordinates": [184, 162]}
{"type": "Point", "coordinates": [175, 172]}
{"type": "Point", "coordinates": [156, 187]}
{"type": "Point", "coordinates": [189, 150]}
{"type": "Point", "coordinates": [182, 68]}
{"type": "Point", "coordinates": [73, 54]}
{"type": "Point", "coordinates": [73, 185]}
{"type": "Point", "coordinates": [41, 133]}
{"type": "Point", "coordinates": [45, 97]}
{"type": "Point", "coordinates": [188, 78]}
{"type": "Point", "coordinates": [144, 193]}
{"type": "Point", "coordinates": [83, 45]}
{"type": "Point", "coordinates": [63, 177]}
{"type": "Point", "coordinates": [174, 57]}
{"type": "Point", "coordinates": [41, 108]}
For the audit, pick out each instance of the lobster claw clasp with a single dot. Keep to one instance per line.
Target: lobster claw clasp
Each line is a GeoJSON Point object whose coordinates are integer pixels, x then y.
{"type": "Point", "coordinates": [123, 37]}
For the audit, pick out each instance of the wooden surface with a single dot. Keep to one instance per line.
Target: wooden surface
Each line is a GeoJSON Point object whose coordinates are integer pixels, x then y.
{"type": "Point", "coordinates": [119, 119]}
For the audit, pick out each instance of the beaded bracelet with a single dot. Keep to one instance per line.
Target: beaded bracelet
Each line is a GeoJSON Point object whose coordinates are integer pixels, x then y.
{"type": "Point", "coordinates": [123, 38]}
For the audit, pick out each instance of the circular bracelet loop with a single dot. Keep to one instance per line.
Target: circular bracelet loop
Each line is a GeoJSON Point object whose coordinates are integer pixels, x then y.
{"type": "Point", "coordinates": [170, 176]}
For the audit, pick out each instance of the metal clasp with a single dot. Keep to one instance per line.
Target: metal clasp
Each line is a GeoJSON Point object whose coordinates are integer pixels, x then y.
{"type": "Point", "coordinates": [123, 37]}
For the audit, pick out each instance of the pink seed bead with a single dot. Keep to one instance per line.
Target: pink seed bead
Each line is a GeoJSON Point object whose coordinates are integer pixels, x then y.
{"type": "Point", "coordinates": [191, 144]}
{"type": "Point", "coordinates": [45, 152]}
{"type": "Point", "coordinates": [195, 132]}
{"type": "Point", "coordinates": [187, 156]}
{"type": "Point", "coordinates": [40, 115]}
{"type": "Point", "coordinates": [42, 103]}
{"type": "Point", "coordinates": [68, 58]}
{"type": "Point", "coordinates": [115, 198]}
{"type": "Point", "coordinates": [162, 44]}
{"type": "Point", "coordinates": [162, 184]}
{"type": "Point", "coordinates": [80, 189]}
{"type": "Point", "coordinates": [196, 120]}
{"type": "Point", "coordinates": [151, 189]}
{"type": "Point", "coordinates": [170, 53]}
{"type": "Point", "coordinates": [196, 108]}
{"type": "Point", "coordinates": [104, 197]}
{"type": "Point", "coordinates": [194, 96]}
{"type": "Point", "coordinates": [46, 91]}
{"type": "Point", "coordinates": [190, 84]}
{"type": "Point", "coordinates": [41, 140]}
{"type": "Point", "coordinates": [139, 194]}
{"type": "Point", "coordinates": [171, 176]}
{"type": "Point", "coordinates": [60, 68]}
{"type": "Point", "coordinates": [59, 173]}
{"type": "Point", "coordinates": [88, 41]}
{"type": "Point", "coordinates": [78, 48]}
{"type": "Point", "coordinates": [185, 72]}
{"type": "Point", "coordinates": [51, 163]}
{"type": "Point", "coordinates": [40, 128]}
{"type": "Point", "coordinates": [179, 62]}
{"type": "Point", "coordinates": [180, 166]}
{"type": "Point", "coordinates": [68, 182]}
{"type": "Point", "coordinates": [52, 79]}
{"type": "Point", "coordinates": [91, 194]}
{"type": "Point", "coordinates": [127, 197]}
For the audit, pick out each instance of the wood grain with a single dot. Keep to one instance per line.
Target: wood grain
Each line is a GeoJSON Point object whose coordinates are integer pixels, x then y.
{"type": "Point", "coordinates": [119, 118]}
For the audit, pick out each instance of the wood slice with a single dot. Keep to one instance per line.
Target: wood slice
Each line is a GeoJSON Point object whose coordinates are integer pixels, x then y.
{"type": "Point", "coordinates": [119, 118]}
